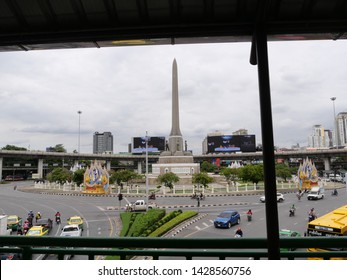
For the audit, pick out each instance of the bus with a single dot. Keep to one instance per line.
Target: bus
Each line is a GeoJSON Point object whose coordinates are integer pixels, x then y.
{"type": "Point", "coordinates": [332, 224]}
{"type": "Point", "coordinates": [14, 178]}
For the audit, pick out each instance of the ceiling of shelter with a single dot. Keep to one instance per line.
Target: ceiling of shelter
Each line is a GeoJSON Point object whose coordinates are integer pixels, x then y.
{"type": "Point", "coordinates": [53, 24]}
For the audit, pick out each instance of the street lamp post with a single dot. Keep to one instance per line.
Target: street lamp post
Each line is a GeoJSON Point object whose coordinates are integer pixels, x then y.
{"type": "Point", "coordinates": [147, 194]}
{"type": "Point", "coordinates": [79, 129]}
{"type": "Point", "coordinates": [335, 130]}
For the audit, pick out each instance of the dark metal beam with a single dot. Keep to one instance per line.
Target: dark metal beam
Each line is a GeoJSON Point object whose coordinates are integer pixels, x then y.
{"type": "Point", "coordinates": [48, 12]}
{"type": "Point", "coordinates": [307, 8]}
{"type": "Point", "coordinates": [175, 10]}
{"type": "Point", "coordinates": [111, 10]}
{"type": "Point", "coordinates": [17, 12]}
{"type": "Point", "coordinates": [78, 8]}
{"type": "Point", "coordinates": [268, 143]}
{"type": "Point", "coordinates": [209, 9]}
{"type": "Point", "coordinates": [143, 10]}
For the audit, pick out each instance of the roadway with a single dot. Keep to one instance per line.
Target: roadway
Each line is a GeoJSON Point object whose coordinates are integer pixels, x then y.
{"type": "Point", "coordinates": [102, 217]}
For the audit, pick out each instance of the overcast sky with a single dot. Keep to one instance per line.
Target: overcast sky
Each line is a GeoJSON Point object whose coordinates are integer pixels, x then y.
{"type": "Point", "coordinates": [127, 91]}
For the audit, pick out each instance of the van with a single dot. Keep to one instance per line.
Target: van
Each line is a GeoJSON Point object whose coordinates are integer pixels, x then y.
{"type": "Point", "coordinates": [316, 193]}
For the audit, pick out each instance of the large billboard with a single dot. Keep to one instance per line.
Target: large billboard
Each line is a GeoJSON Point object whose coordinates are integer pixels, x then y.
{"type": "Point", "coordinates": [155, 144]}
{"type": "Point", "coordinates": [231, 143]}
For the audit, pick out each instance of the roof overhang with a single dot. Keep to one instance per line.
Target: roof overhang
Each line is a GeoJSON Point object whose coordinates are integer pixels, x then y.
{"type": "Point", "coordinates": [56, 24]}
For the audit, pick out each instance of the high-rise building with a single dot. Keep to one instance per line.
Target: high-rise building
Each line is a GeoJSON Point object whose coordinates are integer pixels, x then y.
{"type": "Point", "coordinates": [241, 131]}
{"type": "Point", "coordinates": [318, 137]}
{"type": "Point", "coordinates": [341, 124]}
{"type": "Point", "coordinates": [103, 143]}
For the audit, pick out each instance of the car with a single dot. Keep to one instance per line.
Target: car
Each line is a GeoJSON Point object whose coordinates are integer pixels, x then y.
{"type": "Point", "coordinates": [10, 256]}
{"type": "Point", "coordinates": [227, 218]}
{"type": "Point", "coordinates": [45, 222]}
{"type": "Point", "coordinates": [280, 198]}
{"type": "Point", "coordinates": [71, 230]}
{"type": "Point", "coordinates": [284, 233]}
{"type": "Point", "coordinates": [37, 231]}
{"type": "Point", "coordinates": [76, 220]}
{"type": "Point", "coordinates": [13, 221]}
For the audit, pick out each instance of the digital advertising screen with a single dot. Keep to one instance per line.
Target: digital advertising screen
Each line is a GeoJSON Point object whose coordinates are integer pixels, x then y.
{"type": "Point", "coordinates": [231, 144]}
{"type": "Point", "coordinates": [155, 144]}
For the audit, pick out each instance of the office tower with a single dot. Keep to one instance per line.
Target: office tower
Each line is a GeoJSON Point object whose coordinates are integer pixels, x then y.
{"type": "Point", "coordinates": [103, 143]}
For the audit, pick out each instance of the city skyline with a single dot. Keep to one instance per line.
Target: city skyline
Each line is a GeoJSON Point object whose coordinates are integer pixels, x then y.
{"type": "Point", "coordinates": [127, 91]}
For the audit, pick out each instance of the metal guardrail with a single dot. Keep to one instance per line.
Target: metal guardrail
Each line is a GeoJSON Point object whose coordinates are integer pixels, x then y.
{"type": "Point", "coordinates": [188, 248]}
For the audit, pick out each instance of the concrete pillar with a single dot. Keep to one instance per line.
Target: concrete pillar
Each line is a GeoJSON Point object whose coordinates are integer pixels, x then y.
{"type": "Point", "coordinates": [139, 167]}
{"type": "Point", "coordinates": [326, 164]}
{"type": "Point", "coordinates": [1, 159]}
{"type": "Point", "coordinates": [40, 167]}
{"type": "Point", "coordinates": [108, 165]}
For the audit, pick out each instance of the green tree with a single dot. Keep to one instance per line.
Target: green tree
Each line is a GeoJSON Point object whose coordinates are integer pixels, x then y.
{"type": "Point", "coordinates": [60, 175]}
{"type": "Point", "coordinates": [123, 176]}
{"type": "Point", "coordinates": [253, 173]}
{"type": "Point", "coordinates": [207, 167]}
{"type": "Point", "coordinates": [168, 179]}
{"type": "Point", "coordinates": [78, 176]}
{"type": "Point", "coordinates": [13, 148]}
{"type": "Point", "coordinates": [59, 148]}
{"type": "Point", "coordinates": [202, 178]}
{"type": "Point", "coordinates": [230, 174]}
{"type": "Point", "coordinates": [283, 171]}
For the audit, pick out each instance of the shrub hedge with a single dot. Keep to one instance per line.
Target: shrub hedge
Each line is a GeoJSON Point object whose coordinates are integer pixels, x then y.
{"type": "Point", "coordinates": [144, 220]}
{"type": "Point", "coordinates": [172, 223]}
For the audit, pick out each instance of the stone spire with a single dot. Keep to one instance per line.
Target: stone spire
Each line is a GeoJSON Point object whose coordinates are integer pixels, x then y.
{"type": "Point", "coordinates": [175, 127]}
{"type": "Point", "coordinates": [175, 138]}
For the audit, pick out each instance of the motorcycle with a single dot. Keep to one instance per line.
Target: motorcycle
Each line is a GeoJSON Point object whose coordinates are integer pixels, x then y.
{"type": "Point", "coordinates": [151, 196]}
{"type": "Point", "coordinates": [299, 195]}
{"type": "Point", "coordinates": [237, 236]}
{"type": "Point", "coordinates": [291, 212]}
{"type": "Point", "coordinates": [58, 220]}
{"type": "Point", "coordinates": [249, 217]}
{"type": "Point", "coordinates": [311, 218]}
{"type": "Point", "coordinates": [334, 192]}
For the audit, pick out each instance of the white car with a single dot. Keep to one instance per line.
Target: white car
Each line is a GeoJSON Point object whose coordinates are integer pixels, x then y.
{"type": "Point", "coordinates": [71, 230]}
{"type": "Point", "coordinates": [280, 198]}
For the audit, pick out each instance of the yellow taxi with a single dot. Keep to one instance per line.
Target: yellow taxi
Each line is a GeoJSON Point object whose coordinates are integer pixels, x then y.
{"type": "Point", "coordinates": [13, 221]}
{"type": "Point", "coordinates": [37, 231]}
{"type": "Point", "coordinates": [76, 220]}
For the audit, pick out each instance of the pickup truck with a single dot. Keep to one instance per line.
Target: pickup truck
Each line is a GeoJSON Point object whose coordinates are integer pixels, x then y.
{"type": "Point", "coordinates": [139, 205]}
{"type": "Point", "coordinates": [316, 193]}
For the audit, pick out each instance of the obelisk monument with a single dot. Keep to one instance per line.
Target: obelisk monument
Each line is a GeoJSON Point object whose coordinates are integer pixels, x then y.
{"type": "Point", "coordinates": [175, 159]}
{"type": "Point", "coordinates": [175, 139]}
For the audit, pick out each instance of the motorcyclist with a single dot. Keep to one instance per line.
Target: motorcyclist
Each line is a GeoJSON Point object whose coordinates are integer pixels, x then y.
{"type": "Point", "coordinates": [238, 233]}
{"type": "Point", "coordinates": [30, 217]}
{"type": "Point", "coordinates": [26, 226]}
{"type": "Point", "coordinates": [19, 230]}
{"type": "Point", "coordinates": [292, 210]}
{"type": "Point", "coordinates": [38, 216]}
{"type": "Point", "coordinates": [312, 215]}
{"type": "Point", "coordinates": [152, 195]}
{"type": "Point", "coordinates": [57, 217]}
{"type": "Point", "coordinates": [300, 194]}
{"type": "Point", "coordinates": [334, 192]}
{"type": "Point", "coordinates": [31, 214]}
{"type": "Point", "coordinates": [249, 215]}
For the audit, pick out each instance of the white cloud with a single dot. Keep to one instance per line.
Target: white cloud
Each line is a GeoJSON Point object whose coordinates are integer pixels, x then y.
{"type": "Point", "coordinates": [127, 90]}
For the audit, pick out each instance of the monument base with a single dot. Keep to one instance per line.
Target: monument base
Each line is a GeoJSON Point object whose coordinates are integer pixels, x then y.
{"type": "Point", "coordinates": [180, 165]}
